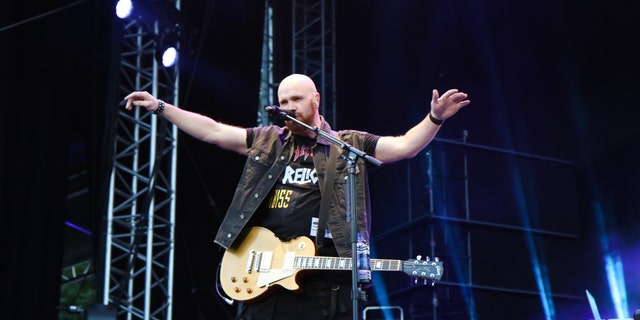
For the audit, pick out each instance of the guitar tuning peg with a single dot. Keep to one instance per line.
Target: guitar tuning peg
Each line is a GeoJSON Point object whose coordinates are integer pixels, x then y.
{"type": "Point", "coordinates": [427, 258]}
{"type": "Point", "coordinates": [418, 257]}
{"type": "Point", "coordinates": [437, 259]}
{"type": "Point", "coordinates": [425, 282]}
{"type": "Point", "coordinates": [433, 283]}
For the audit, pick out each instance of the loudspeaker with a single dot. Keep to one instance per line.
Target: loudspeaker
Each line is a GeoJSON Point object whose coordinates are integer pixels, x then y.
{"type": "Point", "coordinates": [101, 312]}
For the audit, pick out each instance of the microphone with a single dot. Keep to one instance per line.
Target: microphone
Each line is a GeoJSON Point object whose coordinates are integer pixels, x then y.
{"type": "Point", "coordinates": [279, 112]}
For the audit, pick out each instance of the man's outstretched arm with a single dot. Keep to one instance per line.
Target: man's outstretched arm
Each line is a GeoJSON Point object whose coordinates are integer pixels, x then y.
{"type": "Point", "coordinates": [200, 127]}
{"type": "Point", "coordinates": [394, 148]}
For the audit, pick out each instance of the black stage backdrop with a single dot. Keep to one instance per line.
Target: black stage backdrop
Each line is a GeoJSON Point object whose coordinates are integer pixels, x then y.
{"type": "Point", "coordinates": [55, 62]}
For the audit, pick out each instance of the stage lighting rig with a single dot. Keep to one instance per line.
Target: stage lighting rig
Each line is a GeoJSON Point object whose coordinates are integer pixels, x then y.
{"type": "Point", "coordinates": [161, 20]}
{"type": "Point", "coordinates": [168, 45]}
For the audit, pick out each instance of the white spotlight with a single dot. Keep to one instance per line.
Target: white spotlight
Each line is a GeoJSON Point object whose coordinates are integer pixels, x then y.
{"type": "Point", "coordinates": [124, 8]}
{"type": "Point", "coordinates": [169, 57]}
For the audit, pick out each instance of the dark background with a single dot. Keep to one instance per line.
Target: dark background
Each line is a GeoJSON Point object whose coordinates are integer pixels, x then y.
{"type": "Point", "coordinates": [553, 78]}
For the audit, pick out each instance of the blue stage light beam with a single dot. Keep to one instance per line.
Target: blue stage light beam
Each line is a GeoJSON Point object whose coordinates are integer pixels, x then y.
{"type": "Point", "coordinates": [614, 268]}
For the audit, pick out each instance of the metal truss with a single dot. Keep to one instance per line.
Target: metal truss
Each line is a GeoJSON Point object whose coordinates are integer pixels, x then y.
{"type": "Point", "coordinates": [313, 49]}
{"type": "Point", "coordinates": [139, 244]}
{"type": "Point", "coordinates": [267, 87]}
{"type": "Point", "coordinates": [313, 53]}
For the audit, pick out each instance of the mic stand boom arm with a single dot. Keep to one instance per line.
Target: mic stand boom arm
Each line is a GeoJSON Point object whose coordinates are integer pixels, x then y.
{"type": "Point", "coordinates": [334, 140]}
{"type": "Point", "coordinates": [352, 158]}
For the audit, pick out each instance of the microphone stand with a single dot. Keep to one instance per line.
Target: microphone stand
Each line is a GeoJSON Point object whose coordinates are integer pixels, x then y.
{"type": "Point", "coordinates": [356, 291]}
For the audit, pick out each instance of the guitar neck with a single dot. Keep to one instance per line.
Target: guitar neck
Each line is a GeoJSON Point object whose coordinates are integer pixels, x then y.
{"type": "Point", "coordinates": [337, 263]}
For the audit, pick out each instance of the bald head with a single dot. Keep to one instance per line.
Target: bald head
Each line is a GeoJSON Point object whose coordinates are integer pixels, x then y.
{"type": "Point", "coordinates": [298, 93]}
{"type": "Point", "coordinates": [298, 87]}
{"type": "Point", "coordinates": [300, 82]}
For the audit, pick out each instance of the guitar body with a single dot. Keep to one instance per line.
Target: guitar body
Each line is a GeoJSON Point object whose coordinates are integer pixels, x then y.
{"type": "Point", "coordinates": [246, 274]}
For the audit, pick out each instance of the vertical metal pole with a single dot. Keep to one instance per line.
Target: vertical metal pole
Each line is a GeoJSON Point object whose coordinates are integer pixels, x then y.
{"type": "Point", "coordinates": [465, 135]}
{"type": "Point", "coordinates": [434, 300]}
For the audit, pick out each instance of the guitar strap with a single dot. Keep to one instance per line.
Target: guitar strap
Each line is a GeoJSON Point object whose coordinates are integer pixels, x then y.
{"type": "Point", "coordinates": [325, 203]}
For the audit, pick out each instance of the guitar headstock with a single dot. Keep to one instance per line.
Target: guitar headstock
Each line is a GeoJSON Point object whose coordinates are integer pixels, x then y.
{"type": "Point", "coordinates": [426, 269]}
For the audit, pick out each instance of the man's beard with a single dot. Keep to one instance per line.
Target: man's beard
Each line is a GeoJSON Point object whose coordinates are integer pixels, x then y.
{"type": "Point", "coordinates": [300, 129]}
{"type": "Point", "coordinates": [295, 127]}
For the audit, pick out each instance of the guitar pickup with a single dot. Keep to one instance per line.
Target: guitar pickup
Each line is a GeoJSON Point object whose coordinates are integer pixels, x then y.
{"type": "Point", "coordinates": [289, 260]}
{"type": "Point", "coordinates": [250, 259]}
{"type": "Point", "coordinates": [264, 261]}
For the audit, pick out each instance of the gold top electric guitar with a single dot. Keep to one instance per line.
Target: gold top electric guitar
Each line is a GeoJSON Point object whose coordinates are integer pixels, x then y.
{"type": "Point", "coordinates": [262, 261]}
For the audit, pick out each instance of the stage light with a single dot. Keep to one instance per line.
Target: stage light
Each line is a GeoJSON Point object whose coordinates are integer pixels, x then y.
{"type": "Point", "coordinates": [169, 57]}
{"type": "Point", "coordinates": [124, 8]}
{"type": "Point", "coordinates": [167, 46]}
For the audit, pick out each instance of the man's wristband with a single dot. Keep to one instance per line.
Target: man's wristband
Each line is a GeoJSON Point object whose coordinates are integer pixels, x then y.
{"type": "Point", "coordinates": [161, 107]}
{"type": "Point", "coordinates": [434, 120]}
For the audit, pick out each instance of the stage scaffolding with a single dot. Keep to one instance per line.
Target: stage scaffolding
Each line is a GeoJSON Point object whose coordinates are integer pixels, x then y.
{"type": "Point", "coordinates": [139, 239]}
{"type": "Point", "coordinates": [313, 49]}
{"type": "Point", "coordinates": [313, 45]}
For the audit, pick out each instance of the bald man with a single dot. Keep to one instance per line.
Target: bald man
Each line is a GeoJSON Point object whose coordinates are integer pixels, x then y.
{"type": "Point", "coordinates": [294, 184]}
